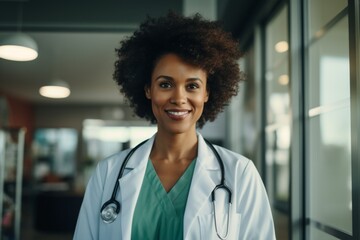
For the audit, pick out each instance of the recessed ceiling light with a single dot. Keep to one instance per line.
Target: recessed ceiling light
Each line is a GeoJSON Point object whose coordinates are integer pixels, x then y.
{"type": "Point", "coordinates": [281, 46]}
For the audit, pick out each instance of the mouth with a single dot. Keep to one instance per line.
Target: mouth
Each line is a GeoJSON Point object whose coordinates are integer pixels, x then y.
{"type": "Point", "coordinates": [177, 114]}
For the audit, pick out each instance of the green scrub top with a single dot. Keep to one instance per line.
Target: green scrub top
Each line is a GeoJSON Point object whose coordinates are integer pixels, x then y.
{"type": "Point", "coordinates": [160, 214]}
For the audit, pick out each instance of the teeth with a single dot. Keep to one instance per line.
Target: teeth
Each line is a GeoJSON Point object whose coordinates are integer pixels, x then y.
{"type": "Point", "coordinates": [177, 113]}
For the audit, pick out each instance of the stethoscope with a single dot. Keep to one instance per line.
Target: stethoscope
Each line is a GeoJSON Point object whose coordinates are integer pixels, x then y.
{"type": "Point", "coordinates": [111, 208]}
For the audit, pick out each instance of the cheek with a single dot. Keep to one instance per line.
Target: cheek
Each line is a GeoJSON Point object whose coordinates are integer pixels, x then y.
{"type": "Point", "coordinates": [201, 99]}
{"type": "Point", "coordinates": [158, 99]}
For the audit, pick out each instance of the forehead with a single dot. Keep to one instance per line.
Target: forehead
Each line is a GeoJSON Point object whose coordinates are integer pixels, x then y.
{"type": "Point", "coordinates": [172, 64]}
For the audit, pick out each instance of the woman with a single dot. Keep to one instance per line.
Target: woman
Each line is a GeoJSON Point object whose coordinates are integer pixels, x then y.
{"type": "Point", "coordinates": [179, 73]}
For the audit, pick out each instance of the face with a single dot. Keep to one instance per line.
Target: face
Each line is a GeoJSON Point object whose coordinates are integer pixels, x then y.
{"type": "Point", "coordinates": [178, 92]}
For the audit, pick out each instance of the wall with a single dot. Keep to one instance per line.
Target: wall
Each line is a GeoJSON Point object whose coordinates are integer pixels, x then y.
{"type": "Point", "coordinates": [20, 113]}
{"type": "Point", "coordinates": [72, 116]}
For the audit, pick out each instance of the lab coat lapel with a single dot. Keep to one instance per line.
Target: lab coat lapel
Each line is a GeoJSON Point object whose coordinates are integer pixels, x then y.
{"type": "Point", "coordinates": [203, 182]}
{"type": "Point", "coordinates": [130, 186]}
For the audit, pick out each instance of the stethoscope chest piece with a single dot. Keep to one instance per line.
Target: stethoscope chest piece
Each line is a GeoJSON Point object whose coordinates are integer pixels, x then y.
{"type": "Point", "coordinates": [109, 213]}
{"type": "Point", "coordinates": [111, 209]}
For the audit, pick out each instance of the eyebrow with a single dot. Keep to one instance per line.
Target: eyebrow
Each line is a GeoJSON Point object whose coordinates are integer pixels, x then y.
{"type": "Point", "coordinates": [171, 78]}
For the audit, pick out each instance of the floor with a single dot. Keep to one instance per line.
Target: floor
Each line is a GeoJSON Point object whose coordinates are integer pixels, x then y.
{"type": "Point", "coordinates": [281, 222]}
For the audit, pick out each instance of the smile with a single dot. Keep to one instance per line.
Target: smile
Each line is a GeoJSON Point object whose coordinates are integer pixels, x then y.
{"type": "Point", "coordinates": [177, 114]}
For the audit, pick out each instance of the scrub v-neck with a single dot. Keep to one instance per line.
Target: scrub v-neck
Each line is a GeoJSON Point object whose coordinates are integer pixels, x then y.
{"type": "Point", "coordinates": [159, 214]}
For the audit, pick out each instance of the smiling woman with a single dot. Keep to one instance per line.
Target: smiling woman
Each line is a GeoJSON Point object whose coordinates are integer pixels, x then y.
{"type": "Point", "coordinates": [178, 72]}
{"type": "Point", "coordinates": [199, 42]}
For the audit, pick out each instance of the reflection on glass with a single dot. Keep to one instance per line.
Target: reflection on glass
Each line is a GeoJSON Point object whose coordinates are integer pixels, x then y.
{"type": "Point", "coordinates": [319, 15]}
{"type": "Point", "coordinates": [278, 118]}
{"type": "Point", "coordinates": [248, 128]}
{"type": "Point", "coordinates": [320, 235]}
{"type": "Point", "coordinates": [329, 131]}
{"type": "Point", "coordinates": [330, 170]}
{"type": "Point", "coordinates": [278, 110]}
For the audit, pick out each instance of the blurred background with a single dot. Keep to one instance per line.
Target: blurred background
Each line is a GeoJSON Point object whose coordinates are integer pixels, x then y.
{"type": "Point", "coordinates": [296, 115]}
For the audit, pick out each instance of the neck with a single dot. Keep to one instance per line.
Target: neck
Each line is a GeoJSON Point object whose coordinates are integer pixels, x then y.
{"type": "Point", "coordinates": [175, 147]}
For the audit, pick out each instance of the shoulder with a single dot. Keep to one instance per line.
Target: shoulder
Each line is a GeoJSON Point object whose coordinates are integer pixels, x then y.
{"type": "Point", "coordinates": [239, 170]}
{"type": "Point", "coordinates": [108, 167]}
{"type": "Point", "coordinates": [232, 159]}
{"type": "Point", "coordinates": [113, 160]}
{"type": "Point", "coordinates": [139, 155]}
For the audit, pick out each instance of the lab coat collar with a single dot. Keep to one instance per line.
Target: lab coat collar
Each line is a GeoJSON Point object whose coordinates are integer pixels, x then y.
{"type": "Point", "coordinates": [130, 185]}
{"type": "Point", "coordinates": [204, 180]}
{"type": "Point", "coordinates": [141, 155]}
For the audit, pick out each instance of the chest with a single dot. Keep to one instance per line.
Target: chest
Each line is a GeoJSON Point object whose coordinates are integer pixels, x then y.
{"type": "Point", "coordinates": [170, 172]}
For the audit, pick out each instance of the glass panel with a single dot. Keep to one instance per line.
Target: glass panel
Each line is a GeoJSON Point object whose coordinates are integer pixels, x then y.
{"type": "Point", "coordinates": [278, 119]}
{"type": "Point", "coordinates": [330, 169]}
{"type": "Point", "coordinates": [329, 132]}
{"type": "Point", "coordinates": [277, 78]}
{"type": "Point", "coordinates": [277, 159]}
{"type": "Point", "coordinates": [320, 235]}
{"type": "Point", "coordinates": [277, 95]}
{"type": "Point", "coordinates": [248, 116]}
{"type": "Point", "coordinates": [329, 68]}
{"type": "Point", "coordinates": [318, 18]}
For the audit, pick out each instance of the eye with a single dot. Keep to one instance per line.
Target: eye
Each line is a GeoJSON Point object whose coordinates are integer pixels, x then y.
{"type": "Point", "coordinates": [193, 86]}
{"type": "Point", "coordinates": [165, 85]}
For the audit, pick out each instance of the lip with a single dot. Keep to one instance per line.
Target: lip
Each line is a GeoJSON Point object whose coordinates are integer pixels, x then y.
{"type": "Point", "coordinates": [177, 114]}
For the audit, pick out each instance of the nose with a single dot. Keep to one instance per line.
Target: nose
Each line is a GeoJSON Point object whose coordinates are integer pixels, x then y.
{"type": "Point", "coordinates": [179, 96]}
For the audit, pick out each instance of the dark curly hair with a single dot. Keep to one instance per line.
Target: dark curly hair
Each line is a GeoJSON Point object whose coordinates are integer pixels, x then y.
{"type": "Point", "coordinates": [197, 41]}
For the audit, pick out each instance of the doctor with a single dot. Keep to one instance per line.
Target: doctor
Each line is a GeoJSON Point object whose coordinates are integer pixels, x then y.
{"type": "Point", "coordinates": [178, 72]}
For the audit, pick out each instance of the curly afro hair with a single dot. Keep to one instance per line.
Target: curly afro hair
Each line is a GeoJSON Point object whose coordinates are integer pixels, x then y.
{"type": "Point", "coordinates": [197, 41]}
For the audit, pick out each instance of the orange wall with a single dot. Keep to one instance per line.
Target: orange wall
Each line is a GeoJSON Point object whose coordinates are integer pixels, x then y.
{"type": "Point", "coordinates": [21, 114]}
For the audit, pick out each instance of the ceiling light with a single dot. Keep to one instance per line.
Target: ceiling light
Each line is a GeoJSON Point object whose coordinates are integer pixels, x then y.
{"type": "Point", "coordinates": [281, 46]}
{"type": "Point", "coordinates": [56, 89]}
{"type": "Point", "coordinates": [18, 47]}
{"type": "Point", "coordinates": [283, 79]}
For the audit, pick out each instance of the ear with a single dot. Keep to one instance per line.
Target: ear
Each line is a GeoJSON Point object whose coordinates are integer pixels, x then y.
{"type": "Point", "coordinates": [147, 92]}
{"type": "Point", "coordinates": [207, 95]}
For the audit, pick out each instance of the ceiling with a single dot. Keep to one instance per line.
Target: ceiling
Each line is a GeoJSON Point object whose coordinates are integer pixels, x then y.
{"type": "Point", "coordinates": [84, 60]}
{"type": "Point", "coordinates": [77, 41]}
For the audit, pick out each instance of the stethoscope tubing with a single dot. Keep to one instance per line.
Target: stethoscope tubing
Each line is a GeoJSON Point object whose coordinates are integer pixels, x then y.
{"type": "Point", "coordinates": [109, 213]}
{"type": "Point", "coordinates": [113, 200]}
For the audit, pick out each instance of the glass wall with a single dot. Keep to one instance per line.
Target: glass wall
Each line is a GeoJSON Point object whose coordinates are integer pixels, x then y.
{"type": "Point", "coordinates": [327, 109]}
{"type": "Point", "coordinates": [307, 56]}
{"type": "Point", "coordinates": [277, 108]}
{"type": "Point", "coordinates": [277, 113]}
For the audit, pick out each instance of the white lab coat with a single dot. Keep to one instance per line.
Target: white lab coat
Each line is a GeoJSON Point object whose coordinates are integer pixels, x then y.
{"type": "Point", "coordinates": [250, 214]}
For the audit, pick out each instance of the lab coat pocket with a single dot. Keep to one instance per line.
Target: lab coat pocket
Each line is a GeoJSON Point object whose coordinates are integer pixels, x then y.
{"type": "Point", "coordinates": [208, 228]}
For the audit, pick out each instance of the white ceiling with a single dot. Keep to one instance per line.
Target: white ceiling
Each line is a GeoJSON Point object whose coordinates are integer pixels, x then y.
{"type": "Point", "coordinates": [84, 60]}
